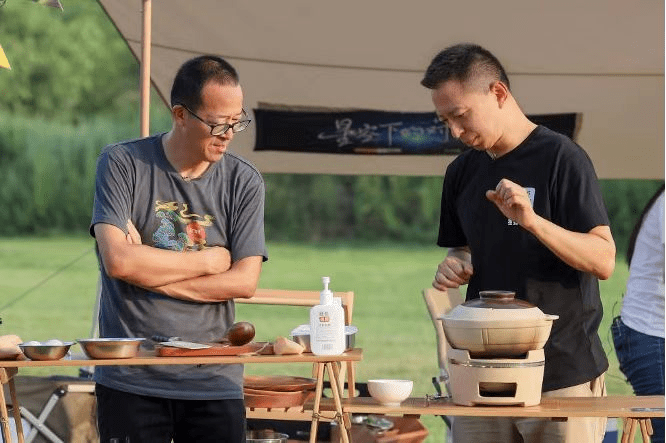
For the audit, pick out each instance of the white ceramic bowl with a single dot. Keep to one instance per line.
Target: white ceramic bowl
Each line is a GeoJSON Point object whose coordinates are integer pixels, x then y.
{"type": "Point", "coordinates": [390, 392]}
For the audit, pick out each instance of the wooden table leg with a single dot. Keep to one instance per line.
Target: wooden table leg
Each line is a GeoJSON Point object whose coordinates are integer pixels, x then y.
{"type": "Point", "coordinates": [6, 375]}
{"type": "Point", "coordinates": [629, 430]}
{"type": "Point", "coordinates": [345, 417]}
{"type": "Point", "coordinates": [351, 380]}
{"type": "Point", "coordinates": [646, 430]}
{"type": "Point", "coordinates": [333, 375]}
{"type": "Point", "coordinates": [319, 367]}
{"type": "Point", "coordinates": [648, 425]}
{"type": "Point", "coordinates": [4, 418]}
{"type": "Point", "coordinates": [16, 409]}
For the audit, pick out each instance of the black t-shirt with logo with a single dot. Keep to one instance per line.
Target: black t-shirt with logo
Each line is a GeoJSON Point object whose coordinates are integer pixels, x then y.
{"type": "Point", "coordinates": [562, 185]}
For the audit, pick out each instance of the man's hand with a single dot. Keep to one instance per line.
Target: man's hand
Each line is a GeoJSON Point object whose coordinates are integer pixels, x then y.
{"type": "Point", "coordinates": [455, 270]}
{"type": "Point", "coordinates": [218, 258]}
{"type": "Point", "coordinates": [133, 237]}
{"type": "Point", "coordinates": [512, 200]}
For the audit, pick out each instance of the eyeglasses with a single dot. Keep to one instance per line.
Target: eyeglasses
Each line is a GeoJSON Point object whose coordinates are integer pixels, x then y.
{"type": "Point", "coordinates": [239, 126]}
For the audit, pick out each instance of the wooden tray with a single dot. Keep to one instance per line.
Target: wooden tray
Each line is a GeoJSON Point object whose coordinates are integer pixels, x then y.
{"type": "Point", "coordinates": [276, 399]}
{"type": "Point", "coordinates": [215, 349]}
{"type": "Point", "coordinates": [279, 383]}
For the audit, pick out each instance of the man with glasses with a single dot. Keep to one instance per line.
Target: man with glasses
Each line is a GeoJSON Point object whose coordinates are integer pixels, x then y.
{"type": "Point", "coordinates": [178, 221]}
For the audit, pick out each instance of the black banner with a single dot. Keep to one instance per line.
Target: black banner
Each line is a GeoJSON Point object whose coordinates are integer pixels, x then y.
{"type": "Point", "coordinates": [370, 132]}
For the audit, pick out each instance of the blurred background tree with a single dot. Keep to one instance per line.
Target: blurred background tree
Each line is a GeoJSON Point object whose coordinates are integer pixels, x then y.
{"type": "Point", "coordinates": [66, 65]}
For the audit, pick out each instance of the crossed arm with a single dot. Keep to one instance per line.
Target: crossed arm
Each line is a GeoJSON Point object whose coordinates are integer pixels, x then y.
{"type": "Point", "coordinates": [199, 276]}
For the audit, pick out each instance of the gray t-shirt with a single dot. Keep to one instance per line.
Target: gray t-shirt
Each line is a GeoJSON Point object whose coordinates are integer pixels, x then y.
{"type": "Point", "coordinates": [223, 207]}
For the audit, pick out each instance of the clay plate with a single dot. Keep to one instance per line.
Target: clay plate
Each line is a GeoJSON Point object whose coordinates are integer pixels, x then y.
{"type": "Point", "coordinates": [255, 399]}
{"type": "Point", "coordinates": [279, 383]}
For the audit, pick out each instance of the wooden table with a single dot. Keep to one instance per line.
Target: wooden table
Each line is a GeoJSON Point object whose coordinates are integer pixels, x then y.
{"type": "Point", "coordinates": [323, 365]}
{"type": "Point", "coordinates": [636, 411]}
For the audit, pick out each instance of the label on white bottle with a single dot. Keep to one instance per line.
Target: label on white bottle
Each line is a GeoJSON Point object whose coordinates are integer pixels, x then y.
{"type": "Point", "coordinates": [327, 330]}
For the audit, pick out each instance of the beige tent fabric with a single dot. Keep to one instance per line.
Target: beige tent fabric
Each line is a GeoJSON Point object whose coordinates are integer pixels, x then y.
{"type": "Point", "coordinates": [603, 59]}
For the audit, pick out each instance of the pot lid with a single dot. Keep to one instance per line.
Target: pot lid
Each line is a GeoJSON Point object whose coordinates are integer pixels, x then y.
{"type": "Point", "coordinates": [497, 306]}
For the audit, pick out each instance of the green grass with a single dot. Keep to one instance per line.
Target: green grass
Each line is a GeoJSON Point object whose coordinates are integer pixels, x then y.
{"type": "Point", "coordinates": [48, 287]}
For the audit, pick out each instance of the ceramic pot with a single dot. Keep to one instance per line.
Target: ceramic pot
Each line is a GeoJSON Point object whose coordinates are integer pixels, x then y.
{"type": "Point", "coordinates": [497, 325]}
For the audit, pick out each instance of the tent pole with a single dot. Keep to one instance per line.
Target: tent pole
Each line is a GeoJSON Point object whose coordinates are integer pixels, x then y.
{"type": "Point", "coordinates": [145, 68]}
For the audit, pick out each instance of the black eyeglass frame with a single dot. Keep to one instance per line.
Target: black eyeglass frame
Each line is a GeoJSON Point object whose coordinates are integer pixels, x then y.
{"type": "Point", "coordinates": [220, 129]}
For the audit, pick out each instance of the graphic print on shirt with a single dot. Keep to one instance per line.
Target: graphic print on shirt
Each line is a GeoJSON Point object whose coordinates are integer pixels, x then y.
{"type": "Point", "coordinates": [530, 194]}
{"type": "Point", "coordinates": [180, 230]}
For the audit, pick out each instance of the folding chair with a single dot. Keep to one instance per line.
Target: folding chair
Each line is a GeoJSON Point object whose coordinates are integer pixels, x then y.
{"type": "Point", "coordinates": [438, 304]}
{"type": "Point", "coordinates": [52, 412]}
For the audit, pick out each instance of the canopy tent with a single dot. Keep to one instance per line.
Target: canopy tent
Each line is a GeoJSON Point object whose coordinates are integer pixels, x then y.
{"type": "Point", "coordinates": [602, 60]}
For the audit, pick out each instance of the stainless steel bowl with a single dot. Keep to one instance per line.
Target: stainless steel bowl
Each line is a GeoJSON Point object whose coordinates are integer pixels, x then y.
{"type": "Point", "coordinates": [110, 347]}
{"type": "Point", "coordinates": [45, 351]}
{"type": "Point", "coordinates": [303, 339]}
{"type": "Point", "coordinates": [265, 436]}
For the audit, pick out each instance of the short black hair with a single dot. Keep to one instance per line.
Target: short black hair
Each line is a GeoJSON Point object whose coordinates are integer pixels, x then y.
{"type": "Point", "coordinates": [463, 62]}
{"type": "Point", "coordinates": [193, 75]}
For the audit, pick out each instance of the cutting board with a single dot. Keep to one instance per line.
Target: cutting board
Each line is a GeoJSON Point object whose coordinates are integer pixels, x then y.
{"type": "Point", "coordinates": [215, 349]}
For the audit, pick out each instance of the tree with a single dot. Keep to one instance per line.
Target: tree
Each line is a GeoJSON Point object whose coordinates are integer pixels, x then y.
{"type": "Point", "coordinates": [65, 64]}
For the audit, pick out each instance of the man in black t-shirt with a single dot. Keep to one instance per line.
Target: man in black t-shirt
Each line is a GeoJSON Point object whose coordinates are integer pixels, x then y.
{"type": "Point", "coordinates": [522, 211]}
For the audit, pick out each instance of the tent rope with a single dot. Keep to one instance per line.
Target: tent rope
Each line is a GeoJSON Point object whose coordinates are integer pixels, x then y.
{"type": "Point", "coordinates": [49, 277]}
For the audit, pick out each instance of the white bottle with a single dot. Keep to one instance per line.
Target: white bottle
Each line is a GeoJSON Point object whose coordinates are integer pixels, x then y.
{"type": "Point", "coordinates": [327, 324]}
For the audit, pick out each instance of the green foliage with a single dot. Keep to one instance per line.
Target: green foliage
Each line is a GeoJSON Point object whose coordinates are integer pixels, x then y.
{"type": "Point", "coordinates": [325, 207]}
{"type": "Point", "coordinates": [48, 172]}
{"type": "Point", "coordinates": [625, 200]}
{"type": "Point", "coordinates": [48, 169]}
{"type": "Point", "coordinates": [65, 64]}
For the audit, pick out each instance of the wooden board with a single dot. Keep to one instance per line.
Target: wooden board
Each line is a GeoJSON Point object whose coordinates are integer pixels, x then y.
{"type": "Point", "coordinates": [611, 406]}
{"type": "Point", "coordinates": [214, 350]}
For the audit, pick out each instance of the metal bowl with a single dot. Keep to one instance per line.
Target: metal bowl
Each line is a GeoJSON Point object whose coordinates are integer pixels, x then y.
{"type": "Point", "coordinates": [301, 335]}
{"type": "Point", "coordinates": [265, 436]}
{"type": "Point", "coordinates": [110, 347]}
{"type": "Point", "coordinates": [44, 351]}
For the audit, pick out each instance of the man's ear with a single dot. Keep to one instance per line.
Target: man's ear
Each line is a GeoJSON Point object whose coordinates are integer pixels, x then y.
{"type": "Point", "coordinates": [500, 91]}
{"type": "Point", "coordinates": [178, 113]}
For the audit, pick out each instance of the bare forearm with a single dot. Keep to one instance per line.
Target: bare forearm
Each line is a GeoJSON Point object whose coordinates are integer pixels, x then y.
{"type": "Point", "coordinates": [592, 252]}
{"type": "Point", "coordinates": [149, 267]}
{"type": "Point", "coordinates": [238, 282]}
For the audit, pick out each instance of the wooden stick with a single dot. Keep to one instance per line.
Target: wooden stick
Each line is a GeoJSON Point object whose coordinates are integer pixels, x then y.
{"type": "Point", "coordinates": [146, 38]}
{"type": "Point", "coordinates": [645, 433]}
{"type": "Point", "coordinates": [4, 414]}
{"type": "Point", "coordinates": [317, 401]}
{"type": "Point", "coordinates": [16, 408]}
{"type": "Point", "coordinates": [337, 399]}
